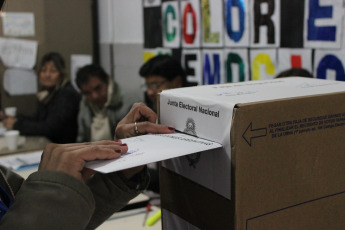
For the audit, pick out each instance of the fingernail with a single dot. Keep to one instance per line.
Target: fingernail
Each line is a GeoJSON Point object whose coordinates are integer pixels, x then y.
{"type": "Point", "coordinates": [123, 144]}
{"type": "Point", "coordinates": [171, 128]}
{"type": "Point", "coordinates": [118, 150]}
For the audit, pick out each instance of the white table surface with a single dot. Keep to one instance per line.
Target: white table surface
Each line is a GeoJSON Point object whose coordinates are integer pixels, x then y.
{"type": "Point", "coordinates": [131, 220]}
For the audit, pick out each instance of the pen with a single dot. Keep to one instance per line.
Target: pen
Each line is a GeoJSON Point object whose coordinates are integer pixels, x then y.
{"type": "Point", "coordinates": [152, 220]}
{"type": "Point", "coordinates": [148, 207]}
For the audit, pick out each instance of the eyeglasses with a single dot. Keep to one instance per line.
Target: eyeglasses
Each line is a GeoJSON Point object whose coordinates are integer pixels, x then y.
{"type": "Point", "coordinates": [153, 85]}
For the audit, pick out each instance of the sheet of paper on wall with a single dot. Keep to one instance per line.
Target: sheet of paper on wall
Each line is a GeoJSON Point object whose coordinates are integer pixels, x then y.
{"type": "Point", "coordinates": [152, 3]}
{"type": "Point", "coordinates": [18, 53]}
{"type": "Point", "coordinates": [20, 81]}
{"type": "Point", "coordinates": [78, 61]}
{"type": "Point", "coordinates": [153, 148]}
{"type": "Point", "coordinates": [18, 24]}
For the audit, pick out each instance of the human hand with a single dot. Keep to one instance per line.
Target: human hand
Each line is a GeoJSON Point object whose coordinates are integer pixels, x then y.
{"type": "Point", "coordinates": [140, 120]}
{"type": "Point", "coordinates": [71, 158]}
{"type": "Point", "coordinates": [9, 122]}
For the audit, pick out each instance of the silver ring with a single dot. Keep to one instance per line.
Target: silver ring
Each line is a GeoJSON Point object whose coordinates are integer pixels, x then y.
{"type": "Point", "coordinates": [136, 128]}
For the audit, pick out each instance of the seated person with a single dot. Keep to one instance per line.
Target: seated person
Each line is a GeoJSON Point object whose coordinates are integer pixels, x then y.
{"type": "Point", "coordinates": [58, 104]}
{"type": "Point", "coordinates": [293, 72]}
{"type": "Point", "coordinates": [162, 72]}
{"type": "Point", "coordinates": [63, 194]}
{"type": "Point", "coordinates": [102, 105]}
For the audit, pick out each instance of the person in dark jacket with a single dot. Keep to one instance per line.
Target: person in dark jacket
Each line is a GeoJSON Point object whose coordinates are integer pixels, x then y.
{"type": "Point", "coordinates": [58, 105]}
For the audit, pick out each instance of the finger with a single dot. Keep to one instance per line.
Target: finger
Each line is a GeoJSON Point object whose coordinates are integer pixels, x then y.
{"type": "Point", "coordinates": [124, 131]}
{"type": "Point", "coordinates": [52, 152]}
{"type": "Point", "coordinates": [148, 127]}
{"type": "Point", "coordinates": [146, 114]}
{"type": "Point", "coordinates": [103, 142]}
{"type": "Point", "coordinates": [143, 113]}
{"type": "Point", "coordinates": [46, 155]}
{"type": "Point", "coordinates": [73, 146]}
{"type": "Point", "coordinates": [99, 152]}
{"type": "Point", "coordinates": [114, 146]}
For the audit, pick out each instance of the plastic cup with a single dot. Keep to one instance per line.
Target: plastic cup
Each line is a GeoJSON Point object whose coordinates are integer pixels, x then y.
{"type": "Point", "coordinates": [11, 111]}
{"type": "Point", "coordinates": [11, 138]}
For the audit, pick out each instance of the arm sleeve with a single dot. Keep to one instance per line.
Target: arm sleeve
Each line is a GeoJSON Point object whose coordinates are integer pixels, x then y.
{"type": "Point", "coordinates": [112, 192]}
{"type": "Point", "coordinates": [61, 113]}
{"type": "Point", "coordinates": [50, 200]}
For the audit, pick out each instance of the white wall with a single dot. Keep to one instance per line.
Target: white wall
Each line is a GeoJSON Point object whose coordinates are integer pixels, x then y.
{"type": "Point", "coordinates": [121, 42]}
{"type": "Point", "coordinates": [121, 21]}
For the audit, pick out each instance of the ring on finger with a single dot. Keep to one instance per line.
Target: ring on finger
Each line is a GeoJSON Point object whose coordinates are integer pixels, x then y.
{"type": "Point", "coordinates": [136, 128]}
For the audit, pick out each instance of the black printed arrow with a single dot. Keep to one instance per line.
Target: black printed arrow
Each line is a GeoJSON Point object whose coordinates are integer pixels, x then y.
{"type": "Point", "coordinates": [251, 133]}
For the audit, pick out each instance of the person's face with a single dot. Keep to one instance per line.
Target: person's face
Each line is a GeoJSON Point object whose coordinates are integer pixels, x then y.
{"type": "Point", "coordinates": [155, 84]}
{"type": "Point", "coordinates": [49, 75]}
{"type": "Point", "coordinates": [95, 91]}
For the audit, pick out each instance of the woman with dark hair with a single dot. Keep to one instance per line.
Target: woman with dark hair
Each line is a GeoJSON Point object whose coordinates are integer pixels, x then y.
{"type": "Point", "coordinates": [58, 104]}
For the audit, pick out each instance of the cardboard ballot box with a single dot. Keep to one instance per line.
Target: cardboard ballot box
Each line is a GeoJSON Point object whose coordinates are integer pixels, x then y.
{"type": "Point", "coordinates": [283, 161]}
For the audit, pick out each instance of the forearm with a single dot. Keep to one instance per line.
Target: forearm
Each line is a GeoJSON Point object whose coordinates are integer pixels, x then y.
{"type": "Point", "coordinates": [112, 192]}
{"type": "Point", "coordinates": [50, 200]}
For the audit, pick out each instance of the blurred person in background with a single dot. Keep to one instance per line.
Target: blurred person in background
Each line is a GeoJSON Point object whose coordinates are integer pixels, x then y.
{"type": "Point", "coordinates": [102, 106]}
{"type": "Point", "coordinates": [162, 72]}
{"type": "Point", "coordinates": [294, 72]}
{"type": "Point", "coordinates": [58, 104]}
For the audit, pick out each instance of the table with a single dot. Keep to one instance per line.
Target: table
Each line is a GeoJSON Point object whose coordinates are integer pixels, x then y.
{"type": "Point", "coordinates": [131, 219]}
{"type": "Point", "coordinates": [25, 144]}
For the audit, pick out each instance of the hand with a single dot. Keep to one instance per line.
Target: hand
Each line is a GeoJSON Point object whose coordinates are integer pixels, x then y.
{"type": "Point", "coordinates": [9, 122]}
{"type": "Point", "coordinates": [71, 158]}
{"type": "Point", "coordinates": [145, 120]}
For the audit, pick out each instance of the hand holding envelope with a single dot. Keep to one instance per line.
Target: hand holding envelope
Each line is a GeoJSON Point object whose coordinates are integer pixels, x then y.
{"type": "Point", "coordinates": [72, 158]}
{"type": "Point", "coordinates": [159, 143]}
{"type": "Point", "coordinates": [139, 120]}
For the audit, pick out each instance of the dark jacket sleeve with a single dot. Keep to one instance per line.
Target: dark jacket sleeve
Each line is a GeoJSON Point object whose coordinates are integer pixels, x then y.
{"type": "Point", "coordinates": [56, 120]}
{"type": "Point", "coordinates": [50, 200]}
{"type": "Point", "coordinates": [54, 200]}
{"type": "Point", "coordinates": [112, 192]}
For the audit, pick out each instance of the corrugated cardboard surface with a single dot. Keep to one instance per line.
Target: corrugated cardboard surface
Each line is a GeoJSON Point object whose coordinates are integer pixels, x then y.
{"type": "Point", "coordinates": [294, 176]}
{"type": "Point", "coordinates": [287, 166]}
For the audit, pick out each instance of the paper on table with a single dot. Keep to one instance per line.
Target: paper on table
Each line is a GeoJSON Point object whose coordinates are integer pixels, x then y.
{"type": "Point", "coordinates": [19, 160]}
{"type": "Point", "coordinates": [152, 148]}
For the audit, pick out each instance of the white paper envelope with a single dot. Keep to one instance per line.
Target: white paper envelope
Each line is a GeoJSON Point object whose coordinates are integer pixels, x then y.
{"type": "Point", "coordinates": [152, 148]}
